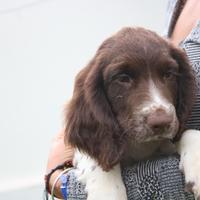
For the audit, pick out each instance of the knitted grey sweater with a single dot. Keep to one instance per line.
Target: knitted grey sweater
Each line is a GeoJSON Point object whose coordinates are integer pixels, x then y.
{"type": "Point", "coordinates": [150, 180]}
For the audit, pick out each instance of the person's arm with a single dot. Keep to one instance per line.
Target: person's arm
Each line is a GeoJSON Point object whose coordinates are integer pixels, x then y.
{"type": "Point", "coordinates": [59, 153]}
{"type": "Point", "coordinates": [187, 20]}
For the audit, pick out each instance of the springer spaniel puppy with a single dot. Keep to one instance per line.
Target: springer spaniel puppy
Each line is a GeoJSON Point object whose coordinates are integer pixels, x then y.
{"type": "Point", "coordinates": [129, 103]}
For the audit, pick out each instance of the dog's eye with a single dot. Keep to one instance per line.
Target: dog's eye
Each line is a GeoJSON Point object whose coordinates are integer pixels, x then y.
{"type": "Point", "coordinates": [170, 74]}
{"type": "Point", "coordinates": [124, 78]}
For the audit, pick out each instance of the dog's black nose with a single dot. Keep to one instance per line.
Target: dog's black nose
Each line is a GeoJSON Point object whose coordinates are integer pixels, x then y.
{"type": "Point", "coordinates": [159, 120]}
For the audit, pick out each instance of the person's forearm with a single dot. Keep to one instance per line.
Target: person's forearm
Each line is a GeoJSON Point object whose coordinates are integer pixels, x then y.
{"type": "Point", "coordinates": [59, 154]}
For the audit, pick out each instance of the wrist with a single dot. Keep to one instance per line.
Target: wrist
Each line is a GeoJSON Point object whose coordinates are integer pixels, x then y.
{"type": "Point", "coordinates": [53, 177]}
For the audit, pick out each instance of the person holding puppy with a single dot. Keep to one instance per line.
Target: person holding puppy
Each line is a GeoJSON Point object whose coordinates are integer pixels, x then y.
{"type": "Point", "coordinates": [183, 29]}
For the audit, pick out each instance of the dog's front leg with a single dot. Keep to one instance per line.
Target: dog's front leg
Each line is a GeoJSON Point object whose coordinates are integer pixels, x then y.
{"type": "Point", "coordinates": [100, 185]}
{"type": "Point", "coordinates": [189, 150]}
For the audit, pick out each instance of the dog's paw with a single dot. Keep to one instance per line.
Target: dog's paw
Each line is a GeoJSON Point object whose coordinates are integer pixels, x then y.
{"type": "Point", "coordinates": [106, 185]}
{"type": "Point", "coordinates": [190, 165]}
{"type": "Point", "coordinates": [99, 184]}
{"type": "Point", "coordinates": [189, 149]}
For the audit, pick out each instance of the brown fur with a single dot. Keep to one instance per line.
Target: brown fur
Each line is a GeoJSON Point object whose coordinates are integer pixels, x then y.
{"type": "Point", "coordinates": [99, 119]}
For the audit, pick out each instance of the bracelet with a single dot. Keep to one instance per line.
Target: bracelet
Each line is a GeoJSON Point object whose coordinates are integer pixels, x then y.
{"type": "Point", "coordinates": [56, 180]}
{"type": "Point", "coordinates": [65, 165]}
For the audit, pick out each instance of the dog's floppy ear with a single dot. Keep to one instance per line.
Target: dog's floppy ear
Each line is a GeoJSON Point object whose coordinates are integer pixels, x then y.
{"type": "Point", "coordinates": [186, 88]}
{"type": "Point", "coordinates": [90, 124]}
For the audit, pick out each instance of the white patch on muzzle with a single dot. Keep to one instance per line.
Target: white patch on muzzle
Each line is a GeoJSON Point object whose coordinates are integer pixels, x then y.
{"type": "Point", "coordinates": [156, 101]}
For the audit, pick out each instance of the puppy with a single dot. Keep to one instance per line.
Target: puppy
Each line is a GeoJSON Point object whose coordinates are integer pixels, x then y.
{"type": "Point", "coordinates": [129, 102]}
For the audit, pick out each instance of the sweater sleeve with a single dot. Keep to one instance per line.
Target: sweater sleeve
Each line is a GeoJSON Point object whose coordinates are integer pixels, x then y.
{"type": "Point", "coordinates": [158, 179]}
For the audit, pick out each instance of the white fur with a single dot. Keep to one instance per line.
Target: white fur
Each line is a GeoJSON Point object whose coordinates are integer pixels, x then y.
{"type": "Point", "coordinates": [157, 97]}
{"type": "Point", "coordinates": [156, 100]}
{"type": "Point", "coordinates": [100, 185]}
{"type": "Point", "coordinates": [189, 150]}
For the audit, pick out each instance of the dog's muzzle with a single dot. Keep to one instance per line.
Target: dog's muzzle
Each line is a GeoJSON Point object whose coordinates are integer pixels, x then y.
{"type": "Point", "coordinates": [160, 122]}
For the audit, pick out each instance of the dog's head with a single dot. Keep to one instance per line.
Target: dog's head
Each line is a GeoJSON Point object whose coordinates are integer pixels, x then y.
{"type": "Point", "coordinates": [138, 87]}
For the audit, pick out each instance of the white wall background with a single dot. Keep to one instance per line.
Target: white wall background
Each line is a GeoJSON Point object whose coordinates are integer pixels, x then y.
{"type": "Point", "coordinates": [43, 44]}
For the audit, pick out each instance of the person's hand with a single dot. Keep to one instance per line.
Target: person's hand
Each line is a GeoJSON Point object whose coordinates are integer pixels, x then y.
{"type": "Point", "coordinates": [59, 152]}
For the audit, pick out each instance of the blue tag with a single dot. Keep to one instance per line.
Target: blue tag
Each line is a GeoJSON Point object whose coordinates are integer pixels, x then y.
{"type": "Point", "coordinates": [63, 187]}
